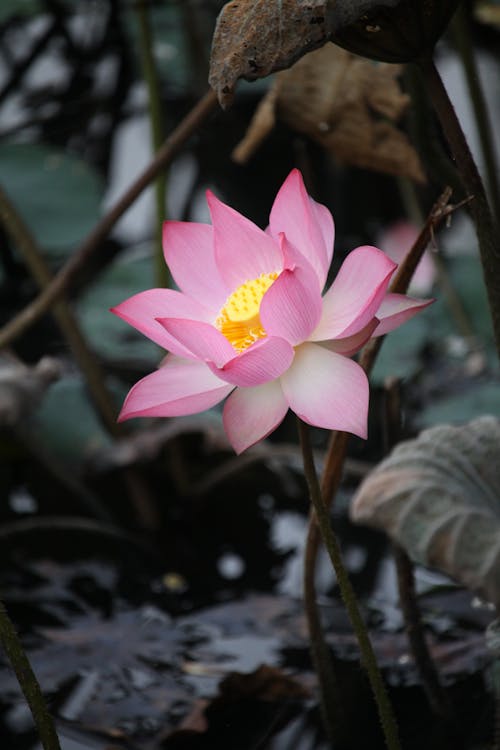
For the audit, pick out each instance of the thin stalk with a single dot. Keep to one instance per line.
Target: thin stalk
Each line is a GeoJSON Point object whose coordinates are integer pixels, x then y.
{"type": "Point", "coordinates": [488, 236]}
{"type": "Point", "coordinates": [150, 74]}
{"type": "Point", "coordinates": [65, 278]}
{"type": "Point", "coordinates": [28, 682]}
{"type": "Point", "coordinates": [493, 645]}
{"type": "Point", "coordinates": [337, 449]}
{"type": "Point", "coordinates": [461, 35]}
{"type": "Point", "coordinates": [436, 695]}
{"type": "Point", "coordinates": [385, 711]}
{"type": "Point", "coordinates": [195, 39]}
{"type": "Point", "coordinates": [32, 256]}
{"type": "Point", "coordinates": [444, 280]}
{"type": "Point", "coordinates": [92, 371]}
{"type": "Point", "coordinates": [329, 692]}
{"type": "Point", "coordinates": [330, 695]}
{"type": "Point", "coordinates": [429, 676]}
{"type": "Point", "coordinates": [425, 133]}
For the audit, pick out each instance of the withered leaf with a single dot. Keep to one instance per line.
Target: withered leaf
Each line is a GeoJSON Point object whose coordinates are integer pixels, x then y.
{"type": "Point", "coordinates": [347, 104]}
{"type": "Point", "coordinates": [256, 37]}
{"type": "Point", "coordinates": [22, 387]}
{"type": "Point", "coordinates": [253, 38]}
{"type": "Point", "coordinates": [438, 497]}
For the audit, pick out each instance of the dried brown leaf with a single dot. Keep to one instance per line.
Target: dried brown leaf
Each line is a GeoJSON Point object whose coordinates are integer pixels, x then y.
{"type": "Point", "coordinates": [22, 387]}
{"type": "Point", "coordinates": [261, 125]}
{"type": "Point", "coordinates": [256, 37]}
{"type": "Point", "coordinates": [253, 38]}
{"type": "Point", "coordinates": [348, 105]}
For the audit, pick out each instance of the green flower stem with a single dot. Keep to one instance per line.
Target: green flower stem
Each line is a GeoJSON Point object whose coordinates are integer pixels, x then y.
{"type": "Point", "coordinates": [461, 35]}
{"type": "Point", "coordinates": [336, 455]}
{"type": "Point", "coordinates": [156, 121]}
{"type": "Point", "coordinates": [487, 233]}
{"type": "Point", "coordinates": [386, 714]}
{"type": "Point", "coordinates": [28, 682]}
{"type": "Point", "coordinates": [330, 696]}
{"type": "Point", "coordinates": [32, 256]}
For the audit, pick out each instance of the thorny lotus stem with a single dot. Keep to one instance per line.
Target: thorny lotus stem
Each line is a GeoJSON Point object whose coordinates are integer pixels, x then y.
{"type": "Point", "coordinates": [156, 122]}
{"type": "Point", "coordinates": [64, 279]}
{"type": "Point", "coordinates": [330, 696]}
{"type": "Point", "coordinates": [338, 442]}
{"type": "Point", "coordinates": [461, 35]}
{"type": "Point", "coordinates": [488, 236]}
{"type": "Point", "coordinates": [28, 682]}
{"type": "Point", "coordinates": [385, 711]}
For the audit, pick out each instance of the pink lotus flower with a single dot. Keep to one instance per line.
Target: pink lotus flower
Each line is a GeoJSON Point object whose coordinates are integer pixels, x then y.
{"type": "Point", "coordinates": [397, 239]}
{"type": "Point", "coordinates": [250, 322]}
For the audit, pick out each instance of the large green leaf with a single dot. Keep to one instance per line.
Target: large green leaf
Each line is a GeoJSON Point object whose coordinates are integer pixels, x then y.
{"type": "Point", "coordinates": [467, 278]}
{"type": "Point", "coordinates": [107, 334]}
{"type": "Point", "coordinates": [58, 195]}
{"type": "Point", "coordinates": [399, 356]}
{"type": "Point", "coordinates": [9, 8]}
{"type": "Point", "coordinates": [477, 399]}
{"type": "Point", "coordinates": [66, 423]}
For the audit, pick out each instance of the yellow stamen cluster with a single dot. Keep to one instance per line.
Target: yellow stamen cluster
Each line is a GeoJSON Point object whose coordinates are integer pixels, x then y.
{"type": "Point", "coordinates": [239, 319]}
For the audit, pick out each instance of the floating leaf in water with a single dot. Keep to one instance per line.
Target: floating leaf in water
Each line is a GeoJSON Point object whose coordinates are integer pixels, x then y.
{"type": "Point", "coordinates": [58, 195]}
{"type": "Point", "coordinates": [438, 496]}
{"type": "Point", "coordinates": [66, 425]}
{"type": "Point", "coordinates": [107, 334]}
{"type": "Point", "coordinates": [16, 8]}
{"type": "Point", "coordinates": [400, 354]}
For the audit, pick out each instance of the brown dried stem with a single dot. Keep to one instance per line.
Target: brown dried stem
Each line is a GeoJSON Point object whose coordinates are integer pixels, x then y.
{"type": "Point", "coordinates": [32, 256]}
{"type": "Point", "coordinates": [429, 676]}
{"type": "Point", "coordinates": [11, 644]}
{"type": "Point", "coordinates": [152, 80]}
{"type": "Point", "coordinates": [65, 278]}
{"type": "Point", "coordinates": [486, 228]}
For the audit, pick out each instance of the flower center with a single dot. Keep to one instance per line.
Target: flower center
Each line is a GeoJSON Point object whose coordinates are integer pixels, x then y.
{"type": "Point", "coordinates": [239, 319]}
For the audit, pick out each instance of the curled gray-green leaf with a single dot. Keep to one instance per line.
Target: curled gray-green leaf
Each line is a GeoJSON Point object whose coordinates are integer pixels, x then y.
{"type": "Point", "coordinates": [439, 497]}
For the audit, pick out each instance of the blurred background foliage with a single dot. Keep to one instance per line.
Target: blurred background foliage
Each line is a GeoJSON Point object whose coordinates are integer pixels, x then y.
{"type": "Point", "coordinates": [74, 133]}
